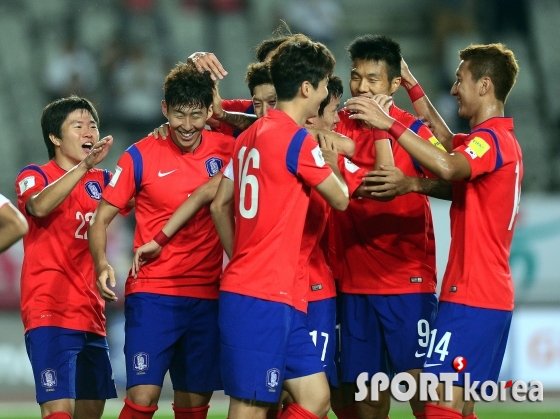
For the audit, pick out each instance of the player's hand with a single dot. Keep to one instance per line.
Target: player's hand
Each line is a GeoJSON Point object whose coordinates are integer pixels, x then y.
{"type": "Point", "coordinates": [217, 111]}
{"type": "Point", "coordinates": [370, 111]}
{"type": "Point", "coordinates": [384, 101]}
{"type": "Point", "coordinates": [387, 182]}
{"type": "Point", "coordinates": [98, 152]}
{"type": "Point", "coordinates": [104, 274]}
{"type": "Point", "coordinates": [407, 79]}
{"type": "Point", "coordinates": [328, 150]}
{"type": "Point", "coordinates": [207, 61]}
{"type": "Point", "coordinates": [147, 251]}
{"type": "Point", "coordinates": [161, 132]}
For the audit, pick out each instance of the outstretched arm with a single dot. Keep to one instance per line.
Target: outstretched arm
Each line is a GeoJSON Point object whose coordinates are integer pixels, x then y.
{"type": "Point", "coordinates": [46, 201]}
{"type": "Point", "coordinates": [424, 108]}
{"type": "Point", "coordinates": [202, 196]}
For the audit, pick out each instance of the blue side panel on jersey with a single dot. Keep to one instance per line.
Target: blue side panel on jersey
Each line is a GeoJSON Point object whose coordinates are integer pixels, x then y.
{"type": "Point", "coordinates": [106, 177]}
{"type": "Point", "coordinates": [415, 127]}
{"type": "Point", "coordinates": [292, 156]}
{"type": "Point", "coordinates": [38, 170]}
{"type": "Point", "coordinates": [499, 159]}
{"type": "Point", "coordinates": [138, 165]}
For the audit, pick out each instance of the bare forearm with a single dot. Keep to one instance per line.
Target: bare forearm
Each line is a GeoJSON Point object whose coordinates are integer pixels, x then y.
{"type": "Point", "coordinates": [13, 226]}
{"type": "Point", "coordinates": [202, 196]}
{"type": "Point", "coordinates": [53, 195]}
{"type": "Point", "coordinates": [238, 120]}
{"type": "Point", "coordinates": [424, 108]}
{"type": "Point", "coordinates": [383, 154]}
{"type": "Point", "coordinates": [435, 188]}
{"type": "Point", "coordinates": [97, 241]}
{"type": "Point", "coordinates": [225, 226]}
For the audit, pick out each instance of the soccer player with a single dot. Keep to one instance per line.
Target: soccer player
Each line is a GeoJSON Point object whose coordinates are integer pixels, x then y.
{"type": "Point", "coordinates": [61, 309]}
{"type": "Point", "coordinates": [171, 302]}
{"type": "Point", "coordinates": [266, 346]}
{"type": "Point", "coordinates": [387, 271]}
{"type": "Point", "coordinates": [486, 168]}
{"type": "Point", "coordinates": [13, 225]}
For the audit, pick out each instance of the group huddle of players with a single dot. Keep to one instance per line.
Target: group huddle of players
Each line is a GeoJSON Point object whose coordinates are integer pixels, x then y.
{"type": "Point", "coordinates": [324, 215]}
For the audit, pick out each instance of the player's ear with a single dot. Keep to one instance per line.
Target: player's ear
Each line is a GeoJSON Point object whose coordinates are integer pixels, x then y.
{"type": "Point", "coordinates": [395, 83]}
{"type": "Point", "coordinates": [305, 88]}
{"type": "Point", "coordinates": [164, 108]}
{"type": "Point", "coordinates": [311, 121]}
{"type": "Point", "coordinates": [485, 85]}
{"type": "Point", "coordinates": [54, 139]}
{"type": "Point", "coordinates": [210, 112]}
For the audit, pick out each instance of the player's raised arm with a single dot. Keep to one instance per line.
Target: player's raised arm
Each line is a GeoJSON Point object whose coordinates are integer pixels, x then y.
{"type": "Point", "coordinates": [44, 202]}
{"type": "Point", "coordinates": [202, 196]}
{"type": "Point", "coordinates": [207, 61]}
{"type": "Point", "coordinates": [13, 225]}
{"type": "Point", "coordinates": [424, 108]}
{"type": "Point", "coordinates": [97, 238]}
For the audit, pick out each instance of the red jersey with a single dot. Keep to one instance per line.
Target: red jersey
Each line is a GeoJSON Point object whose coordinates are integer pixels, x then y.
{"type": "Point", "coordinates": [273, 161]}
{"type": "Point", "coordinates": [235, 105]}
{"type": "Point", "coordinates": [385, 247]}
{"type": "Point", "coordinates": [58, 281]}
{"type": "Point", "coordinates": [161, 176]}
{"type": "Point", "coordinates": [483, 214]}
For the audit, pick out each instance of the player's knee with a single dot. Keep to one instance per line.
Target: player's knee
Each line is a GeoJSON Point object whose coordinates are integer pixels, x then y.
{"type": "Point", "coordinates": [143, 396]}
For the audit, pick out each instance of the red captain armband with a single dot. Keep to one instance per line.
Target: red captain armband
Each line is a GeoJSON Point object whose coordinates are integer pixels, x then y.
{"type": "Point", "coordinates": [161, 238]}
{"type": "Point", "coordinates": [415, 93]}
{"type": "Point", "coordinates": [379, 134]}
{"type": "Point", "coordinates": [397, 130]}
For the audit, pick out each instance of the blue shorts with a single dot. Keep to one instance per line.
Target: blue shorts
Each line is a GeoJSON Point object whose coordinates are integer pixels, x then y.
{"type": "Point", "coordinates": [477, 334]}
{"type": "Point", "coordinates": [321, 322]}
{"type": "Point", "coordinates": [263, 343]}
{"type": "Point", "coordinates": [384, 333]}
{"type": "Point", "coordinates": [176, 334]}
{"type": "Point", "coordinates": [69, 364]}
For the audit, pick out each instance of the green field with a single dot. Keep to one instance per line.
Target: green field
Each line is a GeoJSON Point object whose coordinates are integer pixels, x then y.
{"type": "Point", "coordinates": [493, 411]}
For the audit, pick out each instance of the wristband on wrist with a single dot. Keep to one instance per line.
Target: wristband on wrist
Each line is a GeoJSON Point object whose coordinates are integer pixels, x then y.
{"type": "Point", "coordinates": [415, 92]}
{"type": "Point", "coordinates": [397, 129]}
{"type": "Point", "coordinates": [161, 238]}
{"type": "Point", "coordinates": [379, 134]}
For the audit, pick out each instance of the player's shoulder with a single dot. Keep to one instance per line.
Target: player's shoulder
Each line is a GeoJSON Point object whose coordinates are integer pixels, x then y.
{"type": "Point", "coordinates": [36, 169]}
{"type": "Point", "coordinates": [218, 137]}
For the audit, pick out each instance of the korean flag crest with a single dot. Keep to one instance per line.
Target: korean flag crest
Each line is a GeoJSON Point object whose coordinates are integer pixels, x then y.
{"type": "Point", "coordinates": [93, 188]}
{"type": "Point", "coordinates": [272, 379]}
{"type": "Point", "coordinates": [140, 361]}
{"type": "Point", "coordinates": [213, 165]}
{"type": "Point", "coordinates": [48, 378]}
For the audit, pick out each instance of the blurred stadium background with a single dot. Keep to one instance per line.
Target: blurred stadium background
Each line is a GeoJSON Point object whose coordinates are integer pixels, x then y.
{"type": "Point", "coordinates": [117, 52]}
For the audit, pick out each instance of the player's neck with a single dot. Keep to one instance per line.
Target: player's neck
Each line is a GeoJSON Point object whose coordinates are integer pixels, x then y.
{"type": "Point", "coordinates": [64, 162]}
{"type": "Point", "coordinates": [494, 109]}
{"type": "Point", "coordinates": [295, 110]}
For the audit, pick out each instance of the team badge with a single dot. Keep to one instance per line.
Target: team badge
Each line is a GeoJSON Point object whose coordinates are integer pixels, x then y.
{"type": "Point", "coordinates": [93, 188]}
{"type": "Point", "coordinates": [140, 361]}
{"type": "Point", "coordinates": [272, 378]}
{"type": "Point", "coordinates": [213, 165]}
{"type": "Point", "coordinates": [48, 378]}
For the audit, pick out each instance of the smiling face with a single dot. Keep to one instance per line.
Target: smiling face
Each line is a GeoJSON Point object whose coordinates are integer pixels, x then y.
{"type": "Point", "coordinates": [186, 125]}
{"type": "Point", "coordinates": [264, 97]}
{"type": "Point", "coordinates": [316, 96]}
{"type": "Point", "coordinates": [369, 78]}
{"type": "Point", "coordinates": [465, 90]}
{"type": "Point", "coordinates": [79, 133]}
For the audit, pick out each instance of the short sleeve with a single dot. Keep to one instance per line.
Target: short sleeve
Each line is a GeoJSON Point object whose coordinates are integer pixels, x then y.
{"type": "Point", "coordinates": [482, 151]}
{"type": "Point", "coordinates": [122, 187]}
{"type": "Point", "coordinates": [228, 171]}
{"type": "Point", "coordinates": [30, 181]}
{"type": "Point", "coordinates": [305, 159]}
{"type": "Point", "coordinates": [351, 173]}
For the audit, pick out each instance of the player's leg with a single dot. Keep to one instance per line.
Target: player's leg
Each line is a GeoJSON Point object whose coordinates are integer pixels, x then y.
{"type": "Point", "coordinates": [94, 378]}
{"type": "Point", "coordinates": [195, 367]}
{"type": "Point", "coordinates": [152, 328]}
{"type": "Point", "coordinates": [305, 379]}
{"type": "Point", "coordinates": [53, 352]}
{"type": "Point", "coordinates": [406, 320]}
{"type": "Point", "coordinates": [253, 342]}
{"type": "Point", "coordinates": [363, 349]}
{"type": "Point", "coordinates": [455, 334]}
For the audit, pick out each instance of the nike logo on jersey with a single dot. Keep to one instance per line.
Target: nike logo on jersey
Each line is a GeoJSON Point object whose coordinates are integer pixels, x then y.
{"type": "Point", "coordinates": [417, 355]}
{"type": "Point", "coordinates": [166, 173]}
{"type": "Point", "coordinates": [430, 365]}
